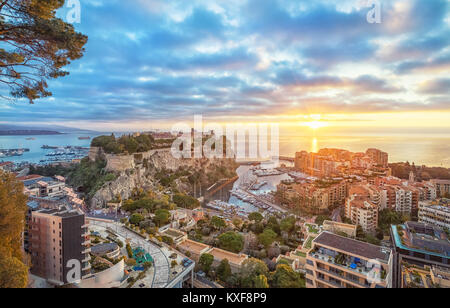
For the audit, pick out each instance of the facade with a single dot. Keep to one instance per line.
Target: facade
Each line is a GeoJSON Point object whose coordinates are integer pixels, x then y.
{"type": "Point", "coordinates": [57, 237]}
{"type": "Point", "coordinates": [435, 213]}
{"type": "Point", "coordinates": [7, 166]}
{"type": "Point", "coordinates": [420, 245]}
{"type": "Point", "coordinates": [316, 195]}
{"type": "Point", "coordinates": [339, 227]}
{"type": "Point", "coordinates": [379, 157]}
{"type": "Point", "coordinates": [442, 187]}
{"type": "Point", "coordinates": [340, 262]}
{"type": "Point", "coordinates": [361, 211]}
{"type": "Point", "coordinates": [45, 187]}
{"type": "Point", "coordinates": [196, 249]}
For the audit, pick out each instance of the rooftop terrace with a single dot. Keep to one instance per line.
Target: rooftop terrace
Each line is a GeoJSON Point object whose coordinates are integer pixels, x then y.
{"type": "Point", "coordinates": [354, 247]}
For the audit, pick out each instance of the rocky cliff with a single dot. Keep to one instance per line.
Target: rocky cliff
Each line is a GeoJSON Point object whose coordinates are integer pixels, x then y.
{"type": "Point", "coordinates": [138, 171]}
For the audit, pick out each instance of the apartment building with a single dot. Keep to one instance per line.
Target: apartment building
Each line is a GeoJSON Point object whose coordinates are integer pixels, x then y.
{"type": "Point", "coordinates": [420, 245]}
{"type": "Point", "coordinates": [318, 195]}
{"type": "Point", "coordinates": [340, 262]}
{"type": "Point", "coordinates": [442, 187]}
{"type": "Point", "coordinates": [435, 213]}
{"type": "Point", "coordinates": [363, 212]}
{"type": "Point", "coordinates": [403, 200]}
{"type": "Point", "coordinates": [58, 236]}
{"type": "Point", "coordinates": [379, 157]}
{"type": "Point", "coordinates": [44, 187]}
{"type": "Point", "coordinates": [424, 278]}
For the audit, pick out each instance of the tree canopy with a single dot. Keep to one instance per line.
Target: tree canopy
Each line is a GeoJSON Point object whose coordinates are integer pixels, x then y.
{"type": "Point", "coordinates": [255, 216]}
{"type": "Point", "coordinates": [13, 272]}
{"type": "Point", "coordinates": [205, 262]}
{"type": "Point", "coordinates": [36, 46]}
{"type": "Point", "coordinates": [267, 237]}
{"type": "Point", "coordinates": [285, 277]}
{"type": "Point", "coordinates": [231, 241]}
{"type": "Point", "coordinates": [224, 270]}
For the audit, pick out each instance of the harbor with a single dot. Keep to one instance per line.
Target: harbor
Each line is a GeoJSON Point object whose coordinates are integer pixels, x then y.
{"type": "Point", "coordinates": [13, 152]}
{"type": "Point", "coordinates": [44, 150]}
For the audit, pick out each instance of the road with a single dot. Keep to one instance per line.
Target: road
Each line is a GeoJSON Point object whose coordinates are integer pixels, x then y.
{"type": "Point", "coordinates": [161, 263]}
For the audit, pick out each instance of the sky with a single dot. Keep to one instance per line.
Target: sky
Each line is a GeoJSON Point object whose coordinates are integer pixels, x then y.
{"type": "Point", "coordinates": [150, 63]}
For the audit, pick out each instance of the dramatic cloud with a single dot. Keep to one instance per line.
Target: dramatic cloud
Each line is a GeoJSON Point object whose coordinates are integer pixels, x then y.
{"type": "Point", "coordinates": [154, 60]}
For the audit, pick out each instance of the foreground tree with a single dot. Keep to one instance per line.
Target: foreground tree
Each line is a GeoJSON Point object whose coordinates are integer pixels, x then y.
{"type": "Point", "coordinates": [224, 270]}
{"type": "Point", "coordinates": [205, 262]}
{"type": "Point", "coordinates": [13, 272]}
{"type": "Point", "coordinates": [285, 277]}
{"type": "Point", "coordinates": [35, 46]}
{"type": "Point", "coordinates": [261, 282]}
{"type": "Point", "coordinates": [251, 270]}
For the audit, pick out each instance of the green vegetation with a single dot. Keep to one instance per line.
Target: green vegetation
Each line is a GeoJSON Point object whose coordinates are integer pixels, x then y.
{"type": "Point", "coordinates": [320, 219]}
{"type": "Point", "coordinates": [162, 217]}
{"type": "Point", "coordinates": [126, 144]}
{"type": "Point", "coordinates": [185, 201]}
{"type": "Point", "coordinates": [224, 270]}
{"type": "Point", "coordinates": [167, 178]}
{"type": "Point", "coordinates": [255, 216]}
{"type": "Point", "coordinates": [129, 251]}
{"type": "Point", "coordinates": [308, 244]}
{"type": "Point", "coordinates": [87, 176]}
{"type": "Point", "coordinates": [13, 271]}
{"type": "Point", "coordinates": [423, 173]}
{"type": "Point", "coordinates": [135, 219]}
{"type": "Point", "coordinates": [217, 223]}
{"type": "Point", "coordinates": [36, 46]}
{"type": "Point", "coordinates": [260, 282]}
{"type": "Point", "coordinates": [205, 262]}
{"type": "Point", "coordinates": [287, 224]}
{"type": "Point", "coordinates": [388, 217]}
{"type": "Point", "coordinates": [231, 241]}
{"type": "Point", "coordinates": [267, 237]}
{"type": "Point", "coordinates": [285, 277]}
{"type": "Point", "coordinates": [251, 271]}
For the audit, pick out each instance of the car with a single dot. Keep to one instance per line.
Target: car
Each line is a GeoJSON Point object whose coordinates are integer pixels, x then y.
{"type": "Point", "coordinates": [142, 285]}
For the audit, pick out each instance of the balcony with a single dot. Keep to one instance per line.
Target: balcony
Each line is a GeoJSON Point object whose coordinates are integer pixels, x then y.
{"type": "Point", "coordinates": [329, 282]}
{"type": "Point", "coordinates": [349, 265]}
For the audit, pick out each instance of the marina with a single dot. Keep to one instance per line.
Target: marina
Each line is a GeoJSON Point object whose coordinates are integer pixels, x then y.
{"type": "Point", "coordinates": [45, 149]}
{"type": "Point", "coordinates": [13, 152]}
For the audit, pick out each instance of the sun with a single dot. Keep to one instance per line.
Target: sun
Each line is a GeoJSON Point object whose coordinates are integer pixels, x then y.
{"type": "Point", "coordinates": [314, 122]}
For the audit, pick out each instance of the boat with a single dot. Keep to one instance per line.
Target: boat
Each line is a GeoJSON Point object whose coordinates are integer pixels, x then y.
{"type": "Point", "coordinates": [31, 138]}
{"type": "Point", "coordinates": [84, 138]}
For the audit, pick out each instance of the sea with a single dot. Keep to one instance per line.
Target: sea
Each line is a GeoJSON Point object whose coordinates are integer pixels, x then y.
{"type": "Point", "coordinates": [430, 150]}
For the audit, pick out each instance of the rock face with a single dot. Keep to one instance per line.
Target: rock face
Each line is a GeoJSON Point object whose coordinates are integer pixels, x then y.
{"type": "Point", "coordinates": [137, 171]}
{"type": "Point", "coordinates": [123, 186]}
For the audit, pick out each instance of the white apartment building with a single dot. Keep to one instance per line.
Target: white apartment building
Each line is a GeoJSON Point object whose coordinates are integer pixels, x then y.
{"type": "Point", "coordinates": [403, 200]}
{"type": "Point", "coordinates": [436, 213]}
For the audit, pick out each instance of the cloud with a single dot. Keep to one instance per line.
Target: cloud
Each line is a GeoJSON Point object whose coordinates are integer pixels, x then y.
{"type": "Point", "coordinates": [155, 60]}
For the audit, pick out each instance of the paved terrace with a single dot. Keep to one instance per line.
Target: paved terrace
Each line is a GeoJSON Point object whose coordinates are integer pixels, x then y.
{"type": "Point", "coordinates": [220, 254]}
